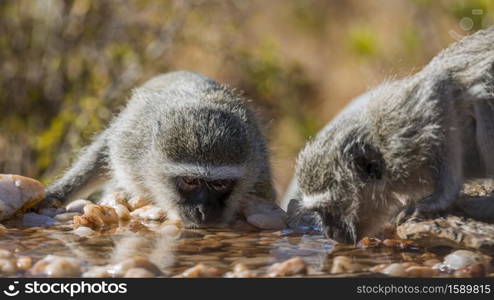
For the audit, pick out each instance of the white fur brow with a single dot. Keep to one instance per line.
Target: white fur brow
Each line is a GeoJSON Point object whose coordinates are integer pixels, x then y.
{"type": "Point", "coordinates": [313, 201]}
{"type": "Point", "coordinates": [213, 172]}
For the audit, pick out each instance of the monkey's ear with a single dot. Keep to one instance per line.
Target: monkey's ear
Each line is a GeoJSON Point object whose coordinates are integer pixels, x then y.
{"type": "Point", "coordinates": [368, 161]}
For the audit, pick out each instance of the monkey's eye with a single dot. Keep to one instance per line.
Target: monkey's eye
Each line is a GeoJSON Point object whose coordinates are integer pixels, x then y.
{"type": "Point", "coordinates": [221, 185]}
{"type": "Point", "coordinates": [188, 183]}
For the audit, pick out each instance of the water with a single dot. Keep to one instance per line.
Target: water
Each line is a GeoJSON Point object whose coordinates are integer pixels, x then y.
{"type": "Point", "coordinates": [213, 247]}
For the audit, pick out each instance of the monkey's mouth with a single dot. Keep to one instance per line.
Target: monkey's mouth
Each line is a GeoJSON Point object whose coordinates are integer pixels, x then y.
{"type": "Point", "coordinates": [194, 217]}
{"type": "Point", "coordinates": [337, 230]}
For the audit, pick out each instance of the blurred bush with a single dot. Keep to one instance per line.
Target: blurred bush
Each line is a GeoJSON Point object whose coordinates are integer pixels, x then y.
{"type": "Point", "coordinates": [68, 66]}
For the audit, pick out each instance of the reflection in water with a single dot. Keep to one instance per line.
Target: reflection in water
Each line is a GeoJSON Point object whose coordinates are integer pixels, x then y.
{"type": "Point", "coordinates": [173, 253]}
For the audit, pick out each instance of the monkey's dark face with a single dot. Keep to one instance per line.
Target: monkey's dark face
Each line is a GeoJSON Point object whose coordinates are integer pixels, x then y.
{"type": "Point", "coordinates": [203, 201]}
{"type": "Point", "coordinates": [336, 227]}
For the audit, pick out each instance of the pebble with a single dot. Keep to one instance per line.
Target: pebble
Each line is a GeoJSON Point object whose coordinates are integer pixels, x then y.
{"type": "Point", "coordinates": [200, 270]}
{"type": "Point", "coordinates": [293, 266]}
{"type": "Point", "coordinates": [7, 266]}
{"type": "Point", "coordinates": [477, 270]}
{"type": "Point", "coordinates": [36, 220]}
{"type": "Point", "coordinates": [57, 266]}
{"type": "Point", "coordinates": [122, 212]}
{"type": "Point", "coordinates": [77, 206]}
{"type": "Point", "coordinates": [83, 231]}
{"type": "Point", "coordinates": [462, 258]}
{"type": "Point", "coordinates": [395, 269]}
{"type": "Point", "coordinates": [24, 263]}
{"type": "Point", "coordinates": [97, 217]}
{"type": "Point", "coordinates": [97, 272]}
{"type": "Point", "coordinates": [344, 264]}
{"type": "Point", "coordinates": [66, 216]}
{"type": "Point", "coordinates": [241, 271]}
{"type": "Point", "coordinates": [149, 212]}
{"type": "Point", "coordinates": [51, 211]}
{"type": "Point", "coordinates": [137, 202]}
{"type": "Point", "coordinates": [5, 253]}
{"type": "Point", "coordinates": [267, 221]}
{"type": "Point", "coordinates": [114, 199]}
{"type": "Point", "coordinates": [421, 271]}
{"type": "Point", "coordinates": [138, 273]}
{"type": "Point", "coordinates": [368, 242]}
{"type": "Point", "coordinates": [18, 193]}
{"type": "Point", "coordinates": [121, 268]}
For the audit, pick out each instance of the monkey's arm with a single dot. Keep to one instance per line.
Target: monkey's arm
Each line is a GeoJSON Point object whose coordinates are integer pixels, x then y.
{"type": "Point", "coordinates": [85, 175]}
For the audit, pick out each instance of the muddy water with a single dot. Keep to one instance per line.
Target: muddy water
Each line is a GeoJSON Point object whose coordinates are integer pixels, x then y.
{"type": "Point", "coordinates": [219, 248]}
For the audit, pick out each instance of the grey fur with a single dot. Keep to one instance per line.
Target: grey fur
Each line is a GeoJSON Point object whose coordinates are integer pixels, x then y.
{"type": "Point", "coordinates": [410, 142]}
{"type": "Point", "coordinates": [176, 124]}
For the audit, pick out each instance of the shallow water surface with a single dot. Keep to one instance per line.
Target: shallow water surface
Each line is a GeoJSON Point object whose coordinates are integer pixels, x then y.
{"type": "Point", "coordinates": [213, 247]}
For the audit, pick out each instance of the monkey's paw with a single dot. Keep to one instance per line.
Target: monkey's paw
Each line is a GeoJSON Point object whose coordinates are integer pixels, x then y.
{"type": "Point", "coordinates": [416, 213]}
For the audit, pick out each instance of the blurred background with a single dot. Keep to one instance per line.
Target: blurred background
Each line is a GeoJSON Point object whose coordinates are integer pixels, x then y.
{"type": "Point", "coordinates": [68, 66]}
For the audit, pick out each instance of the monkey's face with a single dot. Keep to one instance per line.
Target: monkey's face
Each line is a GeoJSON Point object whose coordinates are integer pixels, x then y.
{"type": "Point", "coordinates": [339, 180]}
{"type": "Point", "coordinates": [202, 201]}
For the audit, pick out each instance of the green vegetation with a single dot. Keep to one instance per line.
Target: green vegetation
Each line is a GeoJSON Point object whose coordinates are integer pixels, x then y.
{"type": "Point", "coordinates": [68, 65]}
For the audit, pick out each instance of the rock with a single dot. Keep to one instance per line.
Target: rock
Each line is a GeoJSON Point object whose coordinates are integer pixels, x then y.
{"type": "Point", "coordinates": [77, 206]}
{"type": "Point", "coordinates": [121, 268]}
{"type": "Point", "coordinates": [51, 211]}
{"type": "Point", "coordinates": [97, 272]}
{"type": "Point", "coordinates": [18, 193]}
{"type": "Point", "coordinates": [241, 271]}
{"type": "Point", "coordinates": [97, 217]}
{"type": "Point", "coordinates": [24, 263]}
{"type": "Point", "coordinates": [267, 221]}
{"type": "Point", "coordinates": [200, 270]}
{"type": "Point", "coordinates": [35, 220]}
{"type": "Point", "coordinates": [368, 242]}
{"type": "Point", "coordinates": [3, 230]}
{"type": "Point", "coordinates": [114, 199]}
{"type": "Point", "coordinates": [122, 212]}
{"type": "Point", "coordinates": [462, 258]}
{"type": "Point", "coordinates": [137, 202]}
{"type": "Point", "coordinates": [57, 266]}
{"type": "Point", "coordinates": [293, 266]}
{"type": "Point", "coordinates": [451, 231]}
{"type": "Point", "coordinates": [83, 231]}
{"type": "Point", "coordinates": [420, 271]}
{"type": "Point", "coordinates": [7, 266]}
{"type": "Point", "coordinates": [5, 253]}
{"type": "Point", "coordinates": [400, 244]}
{"type": "Point", "coordinates": [344, 264]}
{"type": "Point", "coordinates": [149, 212]}
{"type": "Point", "coordinates": [66, 216]}
{"type": "Point", "coordinates": [470, 271]}
{"type": "Point", "coordinates": [395, 269]}
{"type": "Point", "coordinates": [138, 273]}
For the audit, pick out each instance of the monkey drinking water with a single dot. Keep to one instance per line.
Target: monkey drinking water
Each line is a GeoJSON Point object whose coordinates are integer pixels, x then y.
{"type": "Point", "coordinates": [186, 142]}
{"type": "Point", "coordinates": [410, 143]}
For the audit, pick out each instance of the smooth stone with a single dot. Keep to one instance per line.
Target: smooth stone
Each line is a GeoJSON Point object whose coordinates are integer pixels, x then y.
{"type": "Point", "coordinates": [66, 216]}
{"type": "Point", "coordinates": [57, 266]}
{"type": "Point", "coordinates": [83, 231]}
{"type": "Point", "coordinates": [18, 193]}
{"type": "Point", "coordinates": [451, 231]}
{"type": "Point", "coordinates": [267, 221]}
{"type": "Point", "coordinates": [149, 212]}
{"type": "Point", "coordinates": [36, 220]}
{"type": "Point", "coordinates": [462, 258]}
{"type": "Point", "coordinates": [77, 206]}
{"type": "Point", "coordinates": [51, 211]}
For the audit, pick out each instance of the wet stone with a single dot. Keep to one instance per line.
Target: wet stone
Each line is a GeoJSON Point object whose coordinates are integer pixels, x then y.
{"type": "Point", "coordinates": [18, 193]}
{"type": "Point", "coordinates": [36, 220]}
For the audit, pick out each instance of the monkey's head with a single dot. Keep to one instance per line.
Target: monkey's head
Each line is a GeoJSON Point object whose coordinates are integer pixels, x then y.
{"type": "Point", "coordinates": [339, 174]}
{"type": "Point", "coordinates": [205, 156]}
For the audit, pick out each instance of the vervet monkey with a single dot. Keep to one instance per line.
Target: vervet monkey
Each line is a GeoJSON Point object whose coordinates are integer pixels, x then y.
{"type": "Point", "coordinates": [186, 142]}
{"type": "Point", "coordinates": [409, 143]}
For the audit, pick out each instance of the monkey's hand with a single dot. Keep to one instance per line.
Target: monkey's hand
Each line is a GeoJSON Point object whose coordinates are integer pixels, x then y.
{"type": "Point", "coordinates": [428, 208]}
